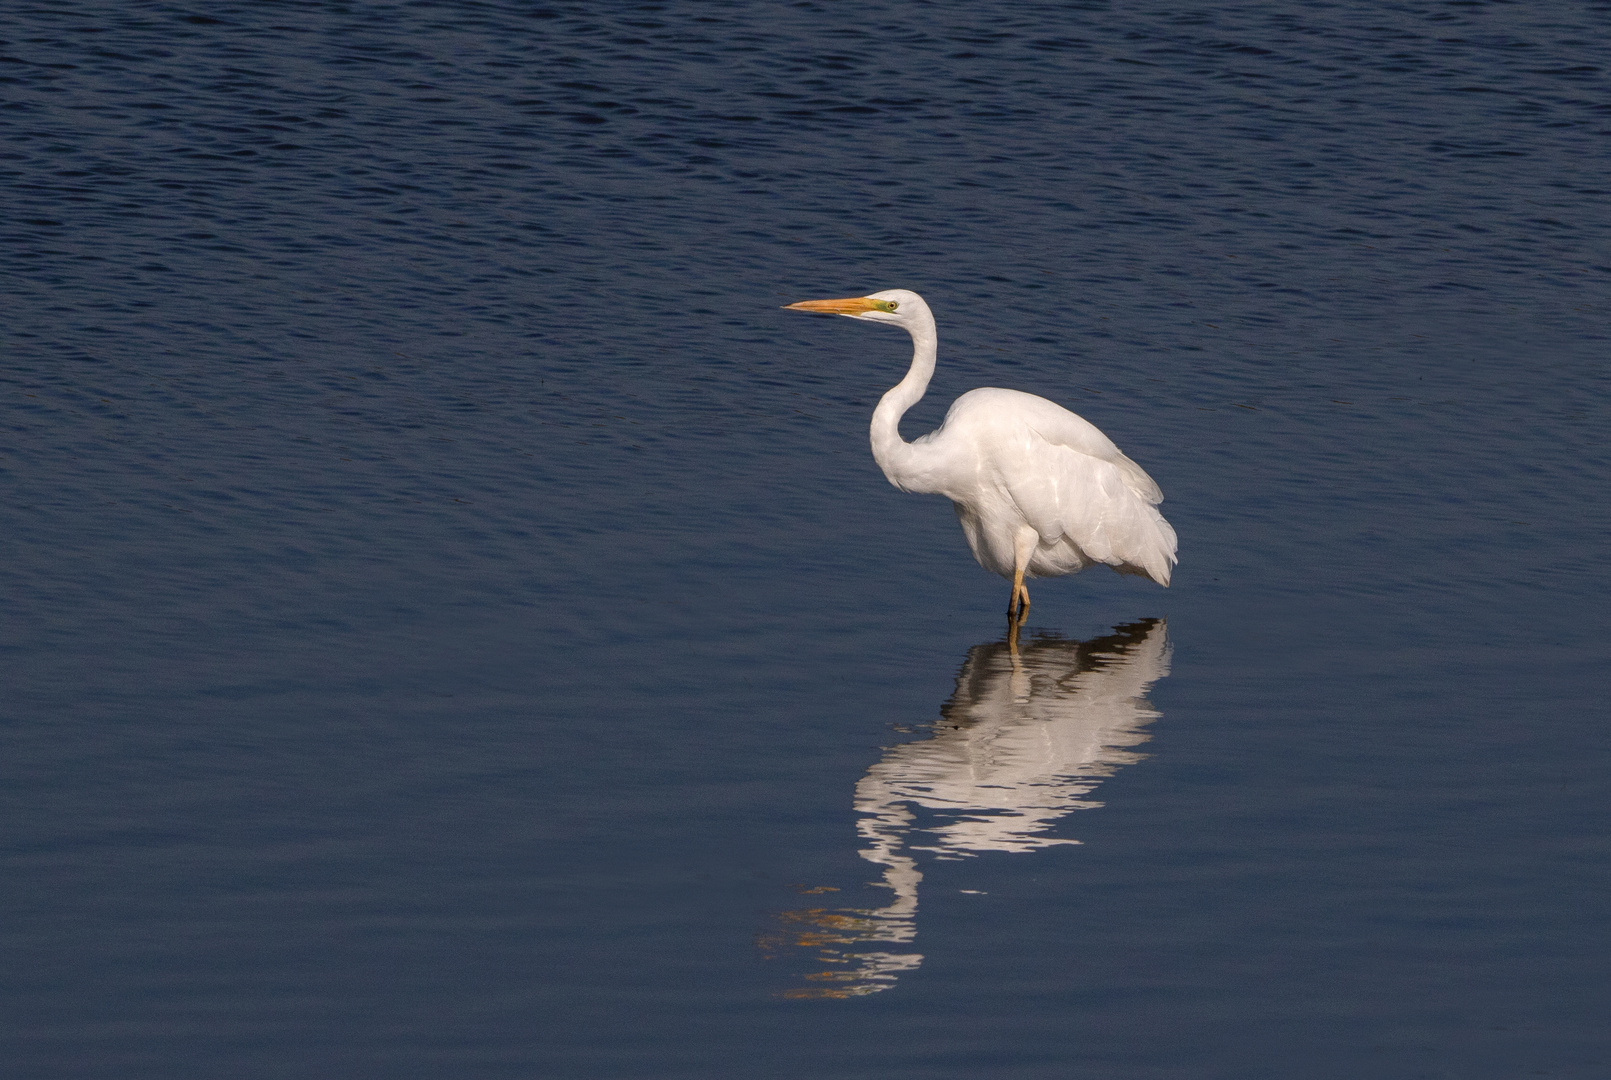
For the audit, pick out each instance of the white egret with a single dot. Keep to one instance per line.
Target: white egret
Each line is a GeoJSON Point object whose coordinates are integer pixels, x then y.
{"type": "Point", "coordinates": [1040, 491]}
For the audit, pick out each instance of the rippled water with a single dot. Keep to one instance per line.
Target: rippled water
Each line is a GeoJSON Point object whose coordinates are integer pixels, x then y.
{"type": "Point", "coordinates": [1025, 737]}
{"type": "Point", "coordinates": [453, 625]}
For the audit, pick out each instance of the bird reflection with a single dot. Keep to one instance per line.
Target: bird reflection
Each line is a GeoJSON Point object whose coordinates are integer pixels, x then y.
{"type": "Point", "coordinates": [1031, 729]}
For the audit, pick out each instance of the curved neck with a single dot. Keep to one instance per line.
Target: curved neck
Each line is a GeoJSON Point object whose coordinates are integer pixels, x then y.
{"type": "Point", "coordinates": [894, 454]}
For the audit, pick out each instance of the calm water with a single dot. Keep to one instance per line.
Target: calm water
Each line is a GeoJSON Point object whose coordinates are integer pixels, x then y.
{"type": "Point", "coordinates": [453, 626]}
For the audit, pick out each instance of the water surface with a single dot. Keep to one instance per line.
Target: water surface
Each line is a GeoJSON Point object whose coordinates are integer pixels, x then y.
{"type": "Point", "coordinates": [453, 622]}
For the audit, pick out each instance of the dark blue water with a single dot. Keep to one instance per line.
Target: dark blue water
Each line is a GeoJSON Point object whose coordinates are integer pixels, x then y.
{"type": "Point", "coordinates": [452, 625]}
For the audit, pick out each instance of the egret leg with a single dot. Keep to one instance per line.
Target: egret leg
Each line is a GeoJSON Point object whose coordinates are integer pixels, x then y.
{"type": "Point", "coordinates": [1018, 602]}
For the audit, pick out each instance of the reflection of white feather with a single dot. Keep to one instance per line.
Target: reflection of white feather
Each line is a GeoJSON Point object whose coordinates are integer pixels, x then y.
{"type": "Point", "coordinates": [1028, 733]}
{"type": "Point", "coordinates": [1025, 737]}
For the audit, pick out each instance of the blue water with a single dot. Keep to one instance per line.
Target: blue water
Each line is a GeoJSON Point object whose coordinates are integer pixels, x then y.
{"type": "Point", "coordinates": [453, 627]}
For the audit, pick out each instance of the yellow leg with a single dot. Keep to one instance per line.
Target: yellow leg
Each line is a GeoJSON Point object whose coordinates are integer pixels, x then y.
{"type": "Point", "coordinates": [1023, 548]}
{"type": "Point", "coordinates": [1018, 602]}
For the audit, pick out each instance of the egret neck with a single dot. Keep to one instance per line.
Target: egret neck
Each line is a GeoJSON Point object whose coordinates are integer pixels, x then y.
{"type": "Point", "coordinates": [895, 455]}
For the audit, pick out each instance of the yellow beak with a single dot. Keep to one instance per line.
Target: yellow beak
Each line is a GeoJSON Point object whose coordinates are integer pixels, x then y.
{"type": "Point", "coordinates": [853, 306]}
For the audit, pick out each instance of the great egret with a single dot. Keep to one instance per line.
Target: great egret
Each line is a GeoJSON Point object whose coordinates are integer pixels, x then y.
{"type": "Point", "coordinates": [1040, 491]}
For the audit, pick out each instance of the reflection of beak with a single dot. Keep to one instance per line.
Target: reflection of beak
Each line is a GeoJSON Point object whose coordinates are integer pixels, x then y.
{"type": "Point", "coordinates": [853, 306]}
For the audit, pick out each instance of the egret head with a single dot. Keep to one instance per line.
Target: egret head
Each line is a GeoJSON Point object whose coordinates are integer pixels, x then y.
{"type": "Point", "coordinates": [899, 306]}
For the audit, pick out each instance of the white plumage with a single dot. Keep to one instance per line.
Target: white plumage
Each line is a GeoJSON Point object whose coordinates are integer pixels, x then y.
{"type": "Point", "coordinates": [1040, 491]}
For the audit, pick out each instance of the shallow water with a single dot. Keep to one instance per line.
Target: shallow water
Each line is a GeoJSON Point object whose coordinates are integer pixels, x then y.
{"type": "Point", "coordinates": [454, 627]}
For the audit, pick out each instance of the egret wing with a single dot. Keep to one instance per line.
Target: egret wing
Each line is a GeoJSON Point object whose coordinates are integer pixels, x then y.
{"type": "Point", "coordinates": [1073, 485]}
{"type": "Point", "coordinates": [1060, 427]}
{"type": "Point", "coordinates": [1088, 501]}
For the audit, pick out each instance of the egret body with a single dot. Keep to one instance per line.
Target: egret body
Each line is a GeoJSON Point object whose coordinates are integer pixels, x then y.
{"type": "Point", "coordinates": [1040, 491]}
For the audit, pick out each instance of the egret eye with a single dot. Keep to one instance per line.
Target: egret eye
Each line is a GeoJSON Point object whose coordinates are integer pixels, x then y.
{"type": "Point", "coordinates": [886, 305]}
